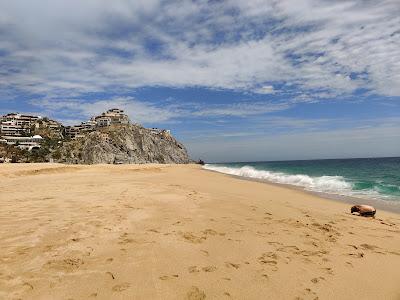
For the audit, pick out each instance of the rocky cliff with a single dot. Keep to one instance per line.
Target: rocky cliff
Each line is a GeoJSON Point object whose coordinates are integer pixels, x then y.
{"type": "Point", "coordinates": [124, 144]}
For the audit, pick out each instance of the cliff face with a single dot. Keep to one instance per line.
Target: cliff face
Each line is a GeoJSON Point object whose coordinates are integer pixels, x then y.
{"type": "Point", "coordinates": [127, 144]}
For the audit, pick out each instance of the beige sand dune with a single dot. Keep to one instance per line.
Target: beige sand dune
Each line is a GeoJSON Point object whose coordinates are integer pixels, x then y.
{"type": "Point", "coordinates": [180, 232]}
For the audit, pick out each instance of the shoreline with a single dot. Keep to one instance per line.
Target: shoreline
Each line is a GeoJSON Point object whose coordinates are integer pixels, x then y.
{"type": "Point", "coordinates": [177, 232]}
{"type": "Point", "coordinates": [385, 205]}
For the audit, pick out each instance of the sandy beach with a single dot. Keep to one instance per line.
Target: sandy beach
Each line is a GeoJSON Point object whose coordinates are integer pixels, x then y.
{"type": "Point", "coordinates": [181, 232]}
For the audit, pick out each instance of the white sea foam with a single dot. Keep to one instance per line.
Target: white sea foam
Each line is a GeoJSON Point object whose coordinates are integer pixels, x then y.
{"type": "Point", "coordinates": [326, 184]}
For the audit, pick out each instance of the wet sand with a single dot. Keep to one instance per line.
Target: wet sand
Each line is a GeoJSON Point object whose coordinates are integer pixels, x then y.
{"type": "Point", "coordinates": [180, 232]}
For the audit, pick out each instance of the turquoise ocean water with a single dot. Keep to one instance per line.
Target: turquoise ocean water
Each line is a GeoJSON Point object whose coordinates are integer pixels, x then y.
{"type": "Point", "coordinates": [371, 178]}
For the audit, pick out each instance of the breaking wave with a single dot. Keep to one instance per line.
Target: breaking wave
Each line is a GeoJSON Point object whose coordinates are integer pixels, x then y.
{"type": "Point", "coordinates": [326, 184]}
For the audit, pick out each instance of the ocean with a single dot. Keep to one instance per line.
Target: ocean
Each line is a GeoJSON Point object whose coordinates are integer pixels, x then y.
{"type": "Point", "coordinates": [368, 178]}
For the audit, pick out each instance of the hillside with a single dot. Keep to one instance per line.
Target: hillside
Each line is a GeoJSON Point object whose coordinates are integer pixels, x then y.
{"type": "Point", "coordinates": [123, 144]}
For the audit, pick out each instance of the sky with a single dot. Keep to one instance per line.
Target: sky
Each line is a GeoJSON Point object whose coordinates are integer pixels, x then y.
{"type": "Point", "coordinates": [233, 80]}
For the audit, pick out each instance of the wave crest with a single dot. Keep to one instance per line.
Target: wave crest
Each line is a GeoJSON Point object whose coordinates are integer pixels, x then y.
{"type": "Point", "coordinates": [328, 184]}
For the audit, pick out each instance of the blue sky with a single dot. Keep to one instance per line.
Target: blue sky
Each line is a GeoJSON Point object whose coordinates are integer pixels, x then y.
{"type": "Point", "coordinates": [234, 80]}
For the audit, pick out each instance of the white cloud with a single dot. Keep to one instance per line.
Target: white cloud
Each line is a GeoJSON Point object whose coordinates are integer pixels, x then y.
{"type": "Point", "coordinates": [72, 47]}
{"type": "Point", "coordinates": [266, 89]}
{"type": "Point", "coordinates": [241, 109]}
{"type": "Point", "coordinates": [138, 111]}
{"type": "Point", "coordinates": [151, 113]}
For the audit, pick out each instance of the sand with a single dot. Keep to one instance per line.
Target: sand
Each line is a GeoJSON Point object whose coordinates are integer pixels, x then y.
{"type": "Point", "coordinates": [180, 232]}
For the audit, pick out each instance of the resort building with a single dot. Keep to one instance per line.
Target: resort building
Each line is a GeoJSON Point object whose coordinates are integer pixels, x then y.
{"type": "Point", "coordinates": [15, 124]}
{"type": "Point", "coordinates": [77, 131]}
{"type": "Point", "coordinates": [10, 128]}
{"type": "Point", "coordinates": [23, 142]}
{"type": "Point", "coordinates": [73, 132]}
{"type": "Point", "coordinates": [51, 124]}
{"type": "Point", "coordinates": [159, 131]}
{"type": "Point", "coordinates": [20, 119]}
{"type": "Point", "coordinates": [110, 117]}
{"type": "Point", "coordinates": [102, 121]}
{"type": "Point", "coordinates": [88, 126]}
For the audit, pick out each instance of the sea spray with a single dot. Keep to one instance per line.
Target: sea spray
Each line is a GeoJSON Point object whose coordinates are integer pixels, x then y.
{"type": "Point", "coordinates": [320, 184]}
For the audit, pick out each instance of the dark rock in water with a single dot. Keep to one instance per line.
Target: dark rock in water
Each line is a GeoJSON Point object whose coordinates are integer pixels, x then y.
{"type": "Point", "coordinates": [201, 162]}
{"type": "Point", "coordinates": [364, 210]}
{"type": "Point", "coordinates": [125, 144]}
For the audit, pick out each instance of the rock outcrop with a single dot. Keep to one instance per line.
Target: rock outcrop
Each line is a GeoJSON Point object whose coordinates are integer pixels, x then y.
{"type": "Point", "coordinates": [124, 144]}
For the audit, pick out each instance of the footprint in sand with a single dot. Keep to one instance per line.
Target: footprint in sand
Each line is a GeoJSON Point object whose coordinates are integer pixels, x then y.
{"type": "Point", "coordinates": [209, 269]}
{"type": "Point", "coordinates": [349, 264]}
{"type": "Point", "coordinates": [195, 294]}
{"type": "Point", "coordinates": [309, 292]}
{"type": "Point", "coordinates": [131, 207]}
{"type": "Point", "coordinates": [312, 243]}
{"type": "Point", "coordinates": [121, 287]}
{"type": "Point", "coordinates": [28, 285]}
{"type": "Point", "coordinates": [328, 271]}
{"type": "Point", "coordinates": [213, 232]}
{"type": "Point", "coordinates": [333, 234]}
{"type": "Point", "coordinates": [316, 280]}
{"type": "Point", "coordinates": [193, 269]}
{"type": "Point", "coordinates": [166, 277]}
{"type": "Point", "coordinates": [270, 259]}
{"type": "Point", "coordinates": [274, 243]}
{"type": "Point", "coordinates": [123, 239]}
{"type": "Point", "coordinates": [190, 237]}
{"type": "Point", "coordinates": [209, 232]}
{"type": "Point", "coordinates": [232, 265]}
{"type": "Point", "coordinates": [357, 255]}
{"type": "Point", "coordinates": [67, 265]}
{"type": "Point", "coordinates": [89, 251]}
{"type": "Point", "coordinates": [368, 247]}
{"type": "Point", "coordinates": [305, 253]}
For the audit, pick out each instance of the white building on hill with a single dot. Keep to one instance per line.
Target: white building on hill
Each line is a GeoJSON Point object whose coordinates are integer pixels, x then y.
{"type": "Point", "coordinates": [15, 124]}
{"type": "Point", "coordinates": [23, 142]}
{"type": "Point", "coordinates": [110, 117]}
